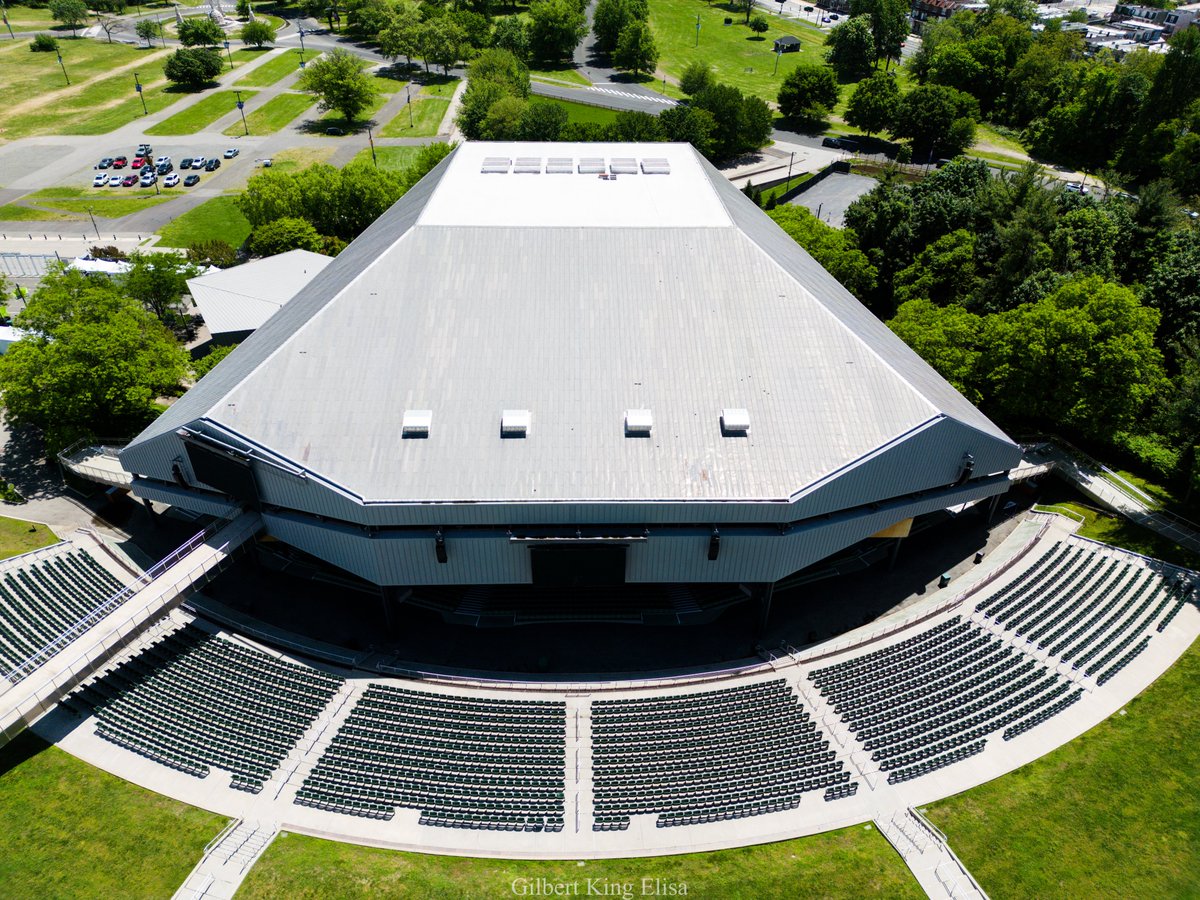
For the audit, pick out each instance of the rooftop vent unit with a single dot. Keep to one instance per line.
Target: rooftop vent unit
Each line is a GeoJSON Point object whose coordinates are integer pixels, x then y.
{"type": "Point", "coordinates": [416, 423]}
{"type": "Point", "coordinates": [656, 165]}
{"type": "Point", "coordinates": [496, 165]}
{"type": "Point", "coordinates": [734, 421]}
{"type": "Point", "coordinates": [591, 165]}
{"type": "Point", "coordinates": [638, 422]}
{"type": "Point", "coordinates": [529, 165]}
{"type": "Point", "coordinates": [623, 165]}
{"type": "Point", "coordinates": [560, 165]}
{"type": "Point", "coordinates": [514, 423]}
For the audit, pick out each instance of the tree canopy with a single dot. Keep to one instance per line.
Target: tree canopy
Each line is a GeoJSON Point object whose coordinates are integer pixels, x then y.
{"type": "Point", "coordinates": [808, 93]}
{"type": "Point", "coordinates": [636, 51]}
{"type": "Point", "coordinates": [555, 29]}
{"type": "Point", "coordinates": [200, 31]}
{"type": "Point", "coordinates": [339, 83]}
{"type": "Point", "coordinates": [193, 67]}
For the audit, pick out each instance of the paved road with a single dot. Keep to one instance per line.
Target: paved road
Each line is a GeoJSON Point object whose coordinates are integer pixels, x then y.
{"type": "Point", "coordinates": [828, 199]}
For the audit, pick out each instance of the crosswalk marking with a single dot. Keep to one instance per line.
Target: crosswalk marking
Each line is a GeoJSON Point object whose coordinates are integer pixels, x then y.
{"type": "Point", "coordinates": [650, 98]}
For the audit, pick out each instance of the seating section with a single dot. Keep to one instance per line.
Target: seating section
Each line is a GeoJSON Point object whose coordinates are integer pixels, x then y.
{"type": "Point", "coordinates": [464, 762]}
{"type": "Point", "coordinates": [933, 699]}
{"type": "Point", "coordinates": [707, 757]}
{"type": "Point", "coordinates": [193, 701]}
{"type": "Point", "coordinates": [42, 599]}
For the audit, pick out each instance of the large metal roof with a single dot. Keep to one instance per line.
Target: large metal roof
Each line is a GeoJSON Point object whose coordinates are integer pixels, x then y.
{"type": "Point", "coordinates": [482, 292]}
{"type": "Point", "coordinates": [242, 298]}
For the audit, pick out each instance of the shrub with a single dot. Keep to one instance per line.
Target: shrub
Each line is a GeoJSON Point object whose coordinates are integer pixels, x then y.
{"type": "Point", "coordinates": [1150, 453]}
{"type": "Point", "coordinates": [695, 78]}
{"type": "Point", "coordinates": [284, 234]}
{"type": "Point", "coordinates": [212, 252]}
{"type": "Point", "coordinates": [44, 43]}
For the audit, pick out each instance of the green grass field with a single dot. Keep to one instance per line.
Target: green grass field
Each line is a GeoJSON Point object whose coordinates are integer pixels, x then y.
{"type": "Point", "coordinates": [300, 158]}
{"type": "Point", "coordinates": [216, 219]}
{"type": "Point", "coordinates": [274, 69]}
{"type": "Point", "coordinates": [201, 114]}
{"type": "Point", "coordinates": [108, 203]}
{"type": "Point", "coordinates": [427, 116]}
{"type": "Point", "coordinates": [18, 536]}
{"type": "Point", "coordinates": [736, 59]}
{"type": "Point", "coordinates": [1113, 814]}
{"type": "Point", "coordinates": [582, 112]}
{"type": "Point", "coordinates": [334, 118]}
{"type": "Point", "coordinates": [273, 115]}
{"type": "Point", "coordinates": [15, 212]}
{"type": "Point", "coordinates": [560, 73]}
{"type": "Point", "coordinates": [395, 159]}
{"type": "Point", "coordinates": [74, 831]}
{"type": "Point", "coordinates": [853, 862]}
{"type": "Point", "coordinates": [1109, 529]}
{"type": "Point", "coordinates": [387, 85]}
{"type": "Point", "coordinates": [23, 18]}
{"type": "Point", "coordinates": [437, 86]}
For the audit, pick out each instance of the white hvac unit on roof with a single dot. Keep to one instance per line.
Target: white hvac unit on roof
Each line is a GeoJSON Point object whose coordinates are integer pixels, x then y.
{"type": "Point", "coordinates": [735, 421]}
{"type": "Point", "coordinates": [638, 421]}
{"type": "Point", "coordinates": [515, 422]}
{"type": "Point", "coordinates": [416, 423]}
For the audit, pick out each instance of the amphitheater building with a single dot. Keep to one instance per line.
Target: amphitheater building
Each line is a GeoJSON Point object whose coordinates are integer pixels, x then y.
{"type": "Point", "coordinates": [573, 364]}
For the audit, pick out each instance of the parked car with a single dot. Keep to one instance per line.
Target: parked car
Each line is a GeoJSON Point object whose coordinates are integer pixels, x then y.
{"type": "Point", "coordinates": [232, 152]}
{"type": "Point", "coordinates": [145, 150]}
{"type": "Point", "coordinates": [212, 165]}
{"type": "Point", "coordinates": [138, 162]}
{"type": "Point", "coordinates": [100, 180]}
{"type": "Point", "coordinates": [186, 164]}
{"type": "Point", "coordinates": [834, 16]}
{"type": "Point", "coordinates": [148, 178]}
{"type": "Point", "coordinates": [129, 181]}
{"type": "Point", "coordinates": [114, 181]}
{"type": "Point", "coordinates": [191, 180]}
{"type": "Point", "coordinates": [164, 168]}
{"type": "Point", "coordinates": [334, 131]}
{"type": "Point", "coordinates": [171, 180]}
{"type": "Point", "coordinates": [158, 161]}
{"type": "Point", "coordinates": [120, 162]}
{"type": "Point", "coordinates": [1076, 187]}
{"type": "Point", "coordinates": [105, 163]}
{"type": "Point", "coordinates": [199, 162]}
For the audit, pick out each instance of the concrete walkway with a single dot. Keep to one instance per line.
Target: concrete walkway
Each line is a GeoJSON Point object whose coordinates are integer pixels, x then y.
{"type": "Point", "coordinates": [227, 859]}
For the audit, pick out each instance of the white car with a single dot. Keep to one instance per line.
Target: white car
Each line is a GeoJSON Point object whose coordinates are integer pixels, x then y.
{"type": "Point", "coordinates": [171, 180]}
{"type": "Point", "coordinates": [100, 180]}
{"type": "Point", "coordinates": [148, 179]}
{"type": "Point", "coordinates": [114, 181]}
{"type": "Point", "coordinates": [160, 160]}
{"type": "Point", "coordinates": [232, 152]}
{"type": "Point", "coordinates": [199, 162]}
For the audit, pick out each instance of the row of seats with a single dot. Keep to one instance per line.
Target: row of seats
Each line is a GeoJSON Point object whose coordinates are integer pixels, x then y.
{"type": "Point", "coordinates": [43, 599]}
{"type": "Point", "coordinates": [196, 701]}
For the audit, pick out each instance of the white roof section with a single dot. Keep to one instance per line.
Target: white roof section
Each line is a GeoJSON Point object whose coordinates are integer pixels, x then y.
{"type": "Point", "coordinates": [89, 266]}
{"type": "Point", "coordinates": [585, 326]}
{"type": "Point", "coordinates": [534, 185]}
{"type": "Point", "coordinates": [243, 297]}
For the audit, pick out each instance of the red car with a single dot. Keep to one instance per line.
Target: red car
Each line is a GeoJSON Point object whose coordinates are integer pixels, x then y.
{"type": "Point", "coordinates": [129, 181]}
{"type": "Point", "coordinates": [120, 162]}
{"type": "Point", "coordinates": [138, 162]}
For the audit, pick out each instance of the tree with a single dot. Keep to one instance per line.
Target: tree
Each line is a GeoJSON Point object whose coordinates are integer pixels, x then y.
{"type": "Point", "coordinates": [851, 48]}
{"type": "Point", "coordinates": [608, 20]}
{"type": "Point", "coordinates": [695, 78]}
{"type": "Point", "coordinates": [542, 121]}
{"type": "Point", "coordinates": [209, 360]}
{"type": "Point", "coordinates": [200, 31]}
{"type": "Point", "coordinates": [212, 252]}
{"type": "Point", "coordinates": [110, 25]}
{"type": "Point", "coordinates": [1173, 287]}
{"type": "Point", "coordinates": [147, 30]}
{"type": "Point", "coordinates": [946, 337]}
{"type": "Point", "coordinates": [889, 25]}
{"type": "Point", "coordinates": [44, 43]}
{"type": "Point", "coordinates": [500, 67]}
{"type": "Point", "coordinates": [283, 235]}
{"type": "Point", "coordinates": [808, 93]}
{"type": "Point", "coordinates": [71, 13]}
{"type": "Point", "coordinates": [242, 7]}
{"type": "Point", "coordinates": [1083, 357]}
{"type": "Point", "coordinates": [444, 43]}
{"type": "Point", "coordinates": [742, 123]}
{"type": "Point", "coordinates": [193, 67]}
{"type": "Point", "coordinates": [555, 29]}
{"type": "Point", "coordinates": [690, 125]}
{"type": "Point", "coordinates": [927, 115]}
{"type": "Point", "coordinates": [158, 281]}
{"type": "Point", "coordinates": [759, 25]}
{"type": "Point", "coordinates": [1085, 240]}
{"type": "Point", "coordinates": [477, 99]}
{"type": "Point", "coordinates": [338, 81]}
{"type": "Point", "coordinates": [402, 36]}
{"type": "Point", "coordinates": [636, 50]}
{"type": "Point", "coordinates": [873, 104]}
{"type": "Point", "coordinates": [257, 33]}
{"type": "Point", "coordinates": [832, 247]}
{"type": "Point", "coordinates": [91, 363]}
{"type": "Point", "coordinates": [943, 273]}
{"type": "Point", "coordinates": [637, 128]}
{"type": "Point", "coordinates": [503, 119]}
{"type": "Point", "coordinates": [512, 34]}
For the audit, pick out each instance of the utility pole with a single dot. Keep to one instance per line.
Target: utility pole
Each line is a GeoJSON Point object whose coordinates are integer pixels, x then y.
{"type": "Point", "coordinates": [230, 55]}
{"type": "Point", "coordinates": [697, 29]}
{"type": "Point", "coordinates": [137, 86]}
{"type": "Point", "coordinates": [94, 225]}
{"type": "Point", "coordinates": [64, 66]}
{"type": "Point", "coordinates": [408, 94]}
{"type": "Point", "coordinates": [7, 24]}
{"type": "Point", "coordinates": [241, 108]}
{"type": "Point", "coordinates": [372, 140]}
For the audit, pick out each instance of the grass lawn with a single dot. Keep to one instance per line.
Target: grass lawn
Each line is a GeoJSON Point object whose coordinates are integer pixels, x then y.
{"type": "Point", "coordinates": [560, 73]}
{"type": "Point", "coordinates": [387, 85]}
{"type": "Point", "coordinates": [1115, 813]}
{"type": "Point", "coordinates": [201, 114]}
{"type": "Point", "coordinates": [14, 212]}
{"type": "Point", "coordinates": [273, 115]}
{"type": "Point", "coordinates": [437, 86]}
{"type": "Point", "coordinates": [18, 536]}
{"type": "Point", "coordinates": [1120, 532]}
{"type": "Point", "coordinates": [300, 158]}
{"type": "Point", "coordinates": [273, 70]}
{"type": "Point", "coordinates": [582, 112]}
{"type": "Point", "coordinates": [853, 862]}
{"type": "Point", "coordinates": [22, 18]}
{"type": "Point", "coordinates": [75, 831]}
{"type": "Point", "coordinates": [218, 218]}
{"type": "Point", "coordinates": [110, 203]}
{"type": "Point", "coordinates": [736, 59]}
{"type": "Point", "coordinates": [427, 117]}
{"type": "Point", "coordinates": [395, 159]}
{"type": "Point", "coordinates": [334, 118]}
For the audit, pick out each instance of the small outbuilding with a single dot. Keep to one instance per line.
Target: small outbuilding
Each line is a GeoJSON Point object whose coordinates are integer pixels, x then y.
{"type": "Point", "coordinates": [789, 43]}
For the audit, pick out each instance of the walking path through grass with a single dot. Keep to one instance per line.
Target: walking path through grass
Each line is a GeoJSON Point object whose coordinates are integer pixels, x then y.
{"type": "Point", "coordinates": [427, 115]}
{"type": "Point", "coordinates": [201, 114]}
{"type": "Point", "coordinates": [274, 69]}
{"type": "Point", "coordinates": [272, 115]}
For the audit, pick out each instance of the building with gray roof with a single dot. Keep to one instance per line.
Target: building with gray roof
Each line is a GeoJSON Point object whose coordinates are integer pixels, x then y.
{"type": "Point", "coordinates": [572, 362]}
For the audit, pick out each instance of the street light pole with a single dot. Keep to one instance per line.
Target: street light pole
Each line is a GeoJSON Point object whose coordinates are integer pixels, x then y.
{"type": "Point", "coordinates": [229, 54]}
{"type": "Point", "coordinates": [94, 225]}
{"type": "Point", "coordinates": [137, 86]}
{"type": "Point", "coordinates": [7, 24]}
{"type": "Point", "coordinates": [302, 48]}
{"type": "Point", "coordinates": [371, 138]}
{"type": "Point", "coordinates": [408, 103]}
{"type": "Point", "coordinates": [697, 29]}
{"type": "Point", "coordinates": [241, 108]}
{"type": "Point", "coordinates": [64, 66]}
{"type": "Point", "coordinates": [778, 53]}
